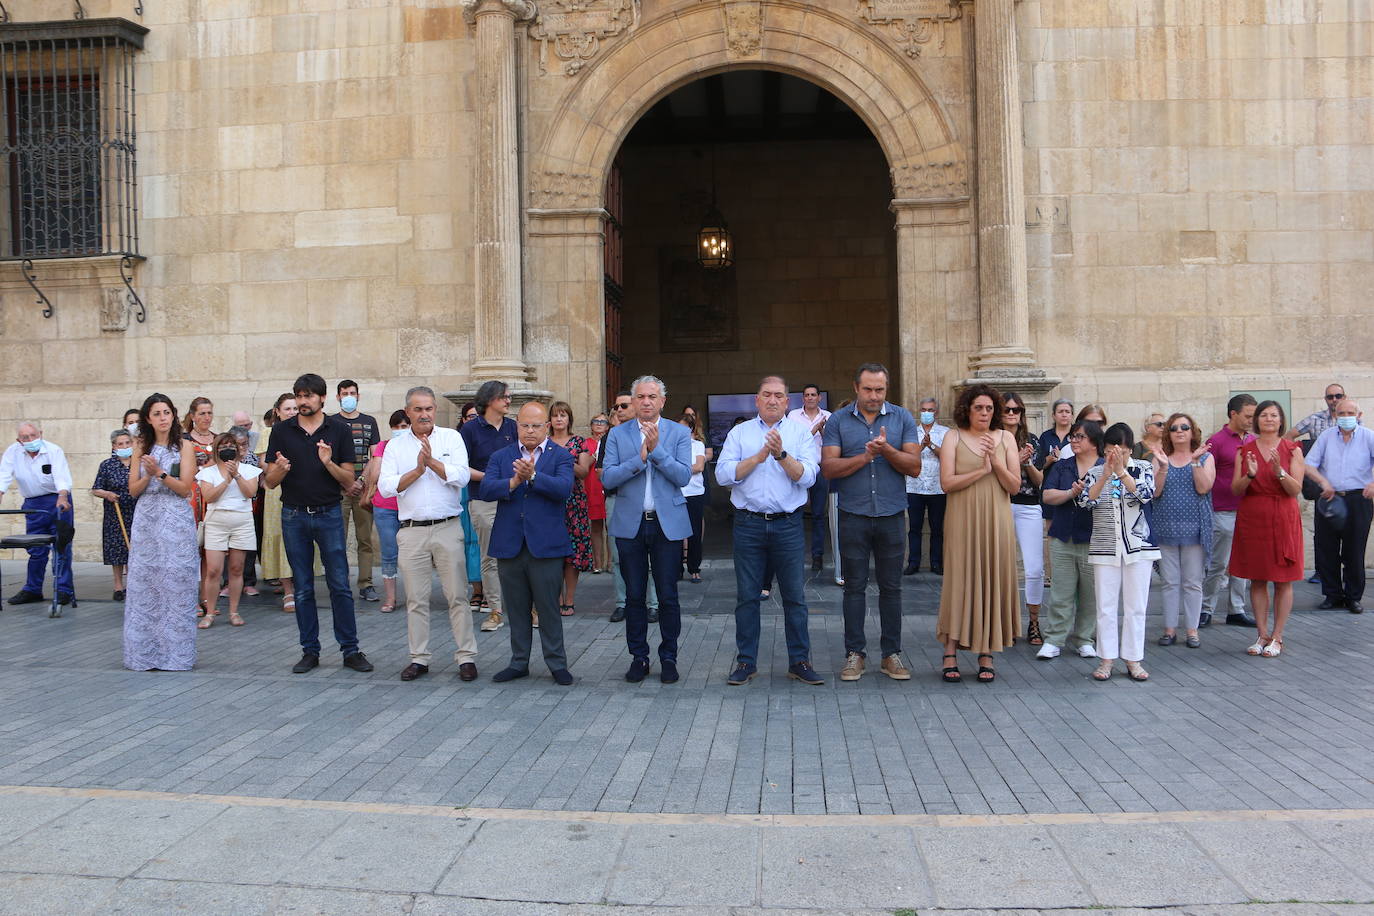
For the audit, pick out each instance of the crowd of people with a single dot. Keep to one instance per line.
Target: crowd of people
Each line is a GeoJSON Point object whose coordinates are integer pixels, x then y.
{"type": "Point", "coordinates": [512, 510]}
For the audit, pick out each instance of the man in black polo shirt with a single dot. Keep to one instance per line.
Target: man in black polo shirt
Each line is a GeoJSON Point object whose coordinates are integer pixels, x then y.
{"type": "Point", "coordinates": [311, 457]}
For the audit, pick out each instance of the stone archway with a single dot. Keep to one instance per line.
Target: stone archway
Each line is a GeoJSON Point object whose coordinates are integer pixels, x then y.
{"type": "Point", "coordinates": [575, 140]}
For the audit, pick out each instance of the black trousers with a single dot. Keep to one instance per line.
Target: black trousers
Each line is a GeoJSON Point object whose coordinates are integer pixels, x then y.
{"type": "Point", "coordinates": [1340, 552]}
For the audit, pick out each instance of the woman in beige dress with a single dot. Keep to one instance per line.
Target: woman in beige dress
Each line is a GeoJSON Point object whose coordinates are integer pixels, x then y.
{"type": "Point", "coordinates": [273, 559]}
{"type": "Point", "coordinates": [980, 608]}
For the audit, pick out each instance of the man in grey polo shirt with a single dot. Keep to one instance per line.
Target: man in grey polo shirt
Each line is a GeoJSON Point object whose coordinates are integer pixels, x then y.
{"type": "Point", "coordinates": [869, 449]}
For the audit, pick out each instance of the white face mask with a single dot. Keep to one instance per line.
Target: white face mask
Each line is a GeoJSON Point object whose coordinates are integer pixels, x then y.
{"type": "Point", "coordinates": [398, 433]}
{"type": "Point", "coordinates": [133, 429]}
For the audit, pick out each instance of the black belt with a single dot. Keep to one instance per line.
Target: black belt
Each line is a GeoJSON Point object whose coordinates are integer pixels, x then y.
{"type": "Point", "coordinates": [1350, 492]}
{"type": "Point", "coordinates": [651, 516]}
{"type": "Point", "coordinates": [425, 522]}
{"type": "Point", "coordinates": [770, 516]}
{"type": "Point", "coordinates": [312, 510]}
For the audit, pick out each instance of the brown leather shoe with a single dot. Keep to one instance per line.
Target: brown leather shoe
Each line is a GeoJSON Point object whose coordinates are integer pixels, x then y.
{"type": "Point", "coordinates": [853, 667]}
{"type": "Point", "coordinates": [893, 668]}
{"type": "Point", "coordinates": [467, 671]}
{"type": "Point", "coordinates": [413, 670]}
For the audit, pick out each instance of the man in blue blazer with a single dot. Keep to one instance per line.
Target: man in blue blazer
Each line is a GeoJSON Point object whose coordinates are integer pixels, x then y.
{"type": "Point", "coordinates": [648, 462]}
{"type": "Point", "coordinates": [530, 483]}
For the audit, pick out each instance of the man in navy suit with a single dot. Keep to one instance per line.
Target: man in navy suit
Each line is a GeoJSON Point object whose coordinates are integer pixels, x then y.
{"type": "Point", "coordinates": [530, 482]}
{"type": "Point", "coordinates": [648, 462]}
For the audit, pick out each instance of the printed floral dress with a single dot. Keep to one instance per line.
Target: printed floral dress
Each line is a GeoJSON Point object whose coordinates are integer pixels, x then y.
{"type": "Point", "coordinates": [579, 522]}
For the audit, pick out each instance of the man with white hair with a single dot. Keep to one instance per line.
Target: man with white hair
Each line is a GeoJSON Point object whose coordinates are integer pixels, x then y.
{"type": "Point", "coordinates": [244, 420]}
{"type": "Point", "coordinates": [1342, 464]}
{"type": "Point", "coordinates": [45, 481]}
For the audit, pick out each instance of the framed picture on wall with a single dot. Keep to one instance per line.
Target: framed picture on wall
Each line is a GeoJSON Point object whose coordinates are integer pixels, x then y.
{"type": "Point", "coordinates": [723, 411]}
{"type": "Point", "coordinates": [698, 309]}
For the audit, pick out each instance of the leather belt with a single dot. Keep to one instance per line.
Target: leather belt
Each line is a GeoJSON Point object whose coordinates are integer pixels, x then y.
{"type": "Point", "coordinates": [312, 510]}
{"type": "Point", "coordinates": [651, 516]}
{"type": "Point", "coordinates": [770, 516]}
{"type": "Point", "coordinates": [425, 522]}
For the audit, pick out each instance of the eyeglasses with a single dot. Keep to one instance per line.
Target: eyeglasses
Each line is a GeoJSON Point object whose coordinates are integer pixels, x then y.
{"type": "Point", "coordinates": [1334, 397]}
{"type": "Point", "coordinates": [601, 423]}
{"type": "Point", "coordinates": [1014, 410]}
{"type": "Point", "coordinates": [531, 427]}
{"type": "Point", "coordinates": [1076, 437]}
{"type": "Point", "coordinates": [1181, 428]}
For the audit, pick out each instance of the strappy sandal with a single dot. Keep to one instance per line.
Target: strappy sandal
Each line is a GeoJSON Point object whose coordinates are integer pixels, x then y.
{"type": "Point", "coordinates": [566, 610]}
{"type": "Point", "coordinates": [201, 609]}
{"type": "Point", "coordinates": [288, 605]}
{"type": "Point", "coordinates": [1273, 649]}
{"type": "Point", "coordinates": [988, 670]}
{"type": "Point", "coordinates": [1103, 671]}
{"type": "Point", "coordinates": [387, 608]}
{"type": "Point", "coordinates": [1261, 643]}
{"type": "Point", "coordinates": [206, 622]}
{"type": "Point", "coordinates": [1136, 671]}
{"type": "Point", "coordinates": [1033, 634]}
{"type": "Point", "coordinates": [476, 601]}
{"type": "Point", "coordinates": [234, 619]}
{"type": "Point", "coordinates": [950, 674]}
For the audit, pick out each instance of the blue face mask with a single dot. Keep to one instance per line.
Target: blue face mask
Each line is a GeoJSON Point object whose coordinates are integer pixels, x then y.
{"type": "Point", "coordinates": [1347, 423]}
{"type": "Point", "coordinates": [927, 418]}
{"type": "Point", "coordinates": [124, 452]}
{"type": "Point", "coordinates": [349, 403]}
{"type": "Point", "coordinates": [33, 447]}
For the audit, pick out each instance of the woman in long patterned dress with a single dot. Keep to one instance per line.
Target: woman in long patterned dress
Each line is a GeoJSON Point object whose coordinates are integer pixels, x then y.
{"type": "Point", "coordinates": [273, 559]}
{"type": "Point", "coordinates": [980, 610]}
{"type": "Point", "coordinates": [164, 566]}
{"type": "Point", "coordinates": [579, 522]}
{"type": "Point", "coordinates": [112, 486]}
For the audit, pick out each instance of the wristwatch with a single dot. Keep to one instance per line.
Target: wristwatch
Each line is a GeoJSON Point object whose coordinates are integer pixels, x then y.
{"type": "Point", "coordinates": [162, 476]}
{"type": "Point", "coordinates": [782, 456]}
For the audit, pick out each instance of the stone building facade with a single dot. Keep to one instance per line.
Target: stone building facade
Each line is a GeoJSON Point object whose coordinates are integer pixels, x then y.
{"type": "Point", "coordinates": [1138, 203]}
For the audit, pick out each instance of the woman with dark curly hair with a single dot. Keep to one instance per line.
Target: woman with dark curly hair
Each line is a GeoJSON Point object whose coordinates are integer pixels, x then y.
{"type": "Point", "coordinates": [980, 610]}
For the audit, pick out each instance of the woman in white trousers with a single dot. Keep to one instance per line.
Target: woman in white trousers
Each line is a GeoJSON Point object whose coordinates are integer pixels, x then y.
{"type": "Point", "coordinates": [1026, 513]}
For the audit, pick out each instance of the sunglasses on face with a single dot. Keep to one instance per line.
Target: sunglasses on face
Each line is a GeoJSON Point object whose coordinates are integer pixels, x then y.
{"type": "Point", "coordinates": [1334, 397]}
{"type": "Point", "coordinates": [1159, 423]}
{"type": "Point", "coordinates": [1014, 410]}
{"type": "Point", "coordinates": [625, 406]}
{"type": "Point", "coordinates": [1181, 428]}
{"type": "Point", "coordinates": [599, 423]}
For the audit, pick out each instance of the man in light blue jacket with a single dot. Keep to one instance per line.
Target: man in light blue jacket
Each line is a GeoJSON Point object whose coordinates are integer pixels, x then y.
{"type": "Point", "coordinates": [648, 462]}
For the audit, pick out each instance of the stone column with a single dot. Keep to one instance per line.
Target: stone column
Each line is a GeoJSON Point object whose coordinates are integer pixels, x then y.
{"type": "Point", "coordinates": [498, 340]}
{"type": "Point", "coordinates": [1004, 356]}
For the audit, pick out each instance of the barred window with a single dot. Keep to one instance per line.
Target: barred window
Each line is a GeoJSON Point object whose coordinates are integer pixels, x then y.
{"type": "Point", "coordinates": [69, 176]}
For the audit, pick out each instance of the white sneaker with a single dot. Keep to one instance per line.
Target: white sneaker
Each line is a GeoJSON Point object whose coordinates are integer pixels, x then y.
{"type": "Point", "coordinates": [1048, 651]}
{"type": "Point", "coordinates": [1087, 652]}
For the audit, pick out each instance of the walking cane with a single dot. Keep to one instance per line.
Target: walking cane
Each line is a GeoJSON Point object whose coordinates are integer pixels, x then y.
{"type": "Point", "coordinates": [123, 529]}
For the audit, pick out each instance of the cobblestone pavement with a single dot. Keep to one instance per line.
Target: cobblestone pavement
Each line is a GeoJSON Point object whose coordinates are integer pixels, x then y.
{"type": "Point", "coordinates": [1212, 730]}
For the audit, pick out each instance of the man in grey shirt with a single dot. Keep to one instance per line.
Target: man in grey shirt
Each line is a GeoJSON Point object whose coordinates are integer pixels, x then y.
{"type": "Point", "coordinates": [869, 449]}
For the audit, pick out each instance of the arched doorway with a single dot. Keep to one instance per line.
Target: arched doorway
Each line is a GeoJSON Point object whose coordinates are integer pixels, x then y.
{"type": "Point", "coordinates": [579, 126]}
{"type": "Point", "coordinates": [805, 189]}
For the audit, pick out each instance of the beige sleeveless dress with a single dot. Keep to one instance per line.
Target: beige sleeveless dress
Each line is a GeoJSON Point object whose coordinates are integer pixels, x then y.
{"type": "Point", "coordinates": [980, 604]}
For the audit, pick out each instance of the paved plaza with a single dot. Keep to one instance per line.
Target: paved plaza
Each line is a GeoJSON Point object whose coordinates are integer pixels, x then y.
{"type": "Point", "coordinates": [1225, 780]}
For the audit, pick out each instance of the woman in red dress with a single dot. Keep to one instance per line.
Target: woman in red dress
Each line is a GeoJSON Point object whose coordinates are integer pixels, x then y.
{"type": "Point", "coordinates": [596, 495]}
{"type": "Point", "coordinates": [1268, 541]}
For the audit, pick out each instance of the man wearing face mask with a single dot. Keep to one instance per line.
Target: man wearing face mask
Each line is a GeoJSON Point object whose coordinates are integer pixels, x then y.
{"type": "Point", "coordinates": [923, 494]}
{"type": "Point", "coordinates": [1342, 464]}
{"type": "Point", "coordinates": [364, 432]}
{"type": "Point", "coordinates": [45, 481]}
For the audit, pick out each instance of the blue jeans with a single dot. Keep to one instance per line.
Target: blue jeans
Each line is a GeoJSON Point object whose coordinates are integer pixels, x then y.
{"type": "Point", "coordinates": [45, 522]}
{"type": "Point", "coordinates": [388, 522]}
{"type": "Point", "coordinates": [817, 500]}
{"type": "Point", "coordinates": [917, 505]}
{"type": "Point", "coordinates": [650, 551]}
{"type": "Point", "coordinates": [301, 531]}
{"type": "Point", "coordinates": [862, 536]}
{"type": "Point", "coordinates": [777, 544]}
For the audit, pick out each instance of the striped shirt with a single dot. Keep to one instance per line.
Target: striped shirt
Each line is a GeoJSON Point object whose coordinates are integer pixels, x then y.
{"type": "Point", "coordinates": [1121, 532]}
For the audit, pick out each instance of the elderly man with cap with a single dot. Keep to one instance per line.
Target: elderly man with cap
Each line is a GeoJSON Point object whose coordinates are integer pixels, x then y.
{"type": "Point", "coordinates": [529, 483]}
{"type": "Point", "coordinates": [40, 469]}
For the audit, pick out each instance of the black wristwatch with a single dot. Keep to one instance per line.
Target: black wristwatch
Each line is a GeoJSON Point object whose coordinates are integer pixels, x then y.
{"type": "Point", "coordinates": [162, 476]}
{"type": "Point", "coordinates": [782, 456]}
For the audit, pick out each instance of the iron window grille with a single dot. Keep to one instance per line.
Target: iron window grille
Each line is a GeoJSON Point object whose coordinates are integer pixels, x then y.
{"type": "Point", "coordinates": [68, 145]}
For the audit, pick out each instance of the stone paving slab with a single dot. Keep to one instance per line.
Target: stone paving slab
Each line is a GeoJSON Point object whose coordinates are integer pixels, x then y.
{"type": "Point", "coordinates": [1213, 729]}
{"type": "Point", "coordinates": [245, 855]}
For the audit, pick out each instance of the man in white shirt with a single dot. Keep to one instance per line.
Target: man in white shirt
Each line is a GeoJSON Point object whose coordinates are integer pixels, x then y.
{"type": "Point", "coordinates": [769, 464]}
{"type": "Point", "coordinates": [45, 481]}
{"type": "Point", "coordinates": [923, 494]}
{"type": "Point", "coordinates": [426, 469]}
{"type": "Point", "coordinates": [813, 417]}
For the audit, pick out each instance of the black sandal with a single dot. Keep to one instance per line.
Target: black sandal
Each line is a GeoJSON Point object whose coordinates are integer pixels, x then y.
{"type": "Point", "coordinates": [984, 669]}
{"type": "Point", "coordinates": [951, 674]}
{"type": "Point", "coordinates": [1033, 634]}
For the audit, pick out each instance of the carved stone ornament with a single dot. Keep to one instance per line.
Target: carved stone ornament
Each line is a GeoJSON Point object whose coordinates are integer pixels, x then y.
{"type": "Point", "coordinates": [563, 190]}
{"type": "Point", "coordinates": [743, 28]}
{"type": "Point", "coordinates": [946, 180]}
{"type": "Point", "coordinates": [912, 24]}
{"type": "Point", "coordinates": [570, 32]}
{"type": "Point", "coordinates": [520, 9]}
